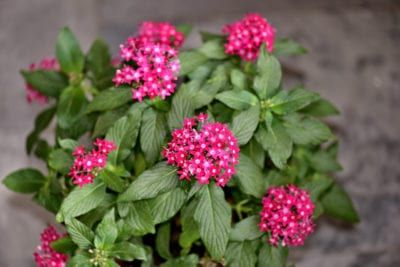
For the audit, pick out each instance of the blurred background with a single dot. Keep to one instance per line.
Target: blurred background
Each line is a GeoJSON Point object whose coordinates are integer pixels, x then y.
{"type": "Point", "coordinates": [353, 61]}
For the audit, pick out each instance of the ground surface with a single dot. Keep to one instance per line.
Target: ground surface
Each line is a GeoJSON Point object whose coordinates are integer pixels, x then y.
{"type": "Point", "coordinates": [353, 61]}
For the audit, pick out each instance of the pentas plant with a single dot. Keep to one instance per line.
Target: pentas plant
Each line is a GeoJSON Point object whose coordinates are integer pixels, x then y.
{"type": "Point", "coordinates": [173, 157]}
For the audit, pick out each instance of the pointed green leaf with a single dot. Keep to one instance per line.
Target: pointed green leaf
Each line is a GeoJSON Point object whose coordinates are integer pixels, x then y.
{"type": "Point", "coordinates": [69, 53]}
{"type": "Point", "coordinates": [49, 83]}
{"type": "Point", "coordinates": [213, 216]}
{"type": "Point", "coordinates": [98, 63]}
{"type": "Point", "coordinates": [213, 49]}
{"type": "Point", "coordinates": [272, 256]}
{"type": "Point", "coordinates": [166, 205]}
{"type": "Point", "coordinates": [287, 102]}
{"type": "Point", "coordinates": [112, 180]}
{"type": "Point", "coordinates": [237, 99]}
{"type": "Point", "coordinates": [269, 74]}
{"type": "Point", "coordinates": [245, 123]}
{"type": "Point", "coordinates": [256, 152]}
{"type": "Point", "coordinates": [71, 106]}
{"type": "Point", "coordinates": [25, 180]}
{"type": "Point", "coordinates": [191, 260]}
{"type": "Point", "coordinates": [128, 252]}
{"type": "Point", "coordinates": [140, 219]}
{"type": "Point", "coordinates": [107, 120]}
{"type": "Point", "coordinates": [190, 230]}
{"type": "Point", "coordinates": [246, 229]}
{"type": "Point", "coordinates": [68, 144]}
{"type": "Point", "coordinates": [238, 79]}
{"type": "Point", "coordinates": [106, 231]}
{"type": "Point", "coordinates": [288, 47]}
{"type": "Point", "coordinates": [60, 161]}
{"type": "Point", "coordinates": [250, 177]}
{"type": "Point", "coordinates": [162, 240]}
{"type": "Point", "coordinates": [321, 108]}
{"type": "Point", "coordinates": [82, 200]}
{"type": "Point", "coordinates": [190, 60]}
{"type": "Point", "coordinates": [63, 245]}
{"type": "Point", "coordinates": [152, 134]}
{"type": "Point", "coordinates": [182, 107]}
{"type": "Point", "coordinates": [79, 233]}
{"type": "Point", "coordinates": [110, 99]}
{"type": "Point", "coordinates": [337, 204]}
{"type": "Point", "coordinates": [41, 122]}
{"type": "Point", "coordinates": [159, 179]}
{"type": "Point", "coordinates": [241, 254]}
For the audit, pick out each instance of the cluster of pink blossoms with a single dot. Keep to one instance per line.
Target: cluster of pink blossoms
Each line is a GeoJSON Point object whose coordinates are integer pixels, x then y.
{"type": "Point", "coordinates": [44, 255]}
{"type": "Point", "coordinates": [246, 36]}
{"type": "Point", "coordinates": [160, 32]}
{"type": "Point", "coordinates": [31, 93]}
{"type": "Point", "coordinates": [205, 151]}
{"type": "Point", "coordinates": [88, 164]}
{"type": "Point", "coordinates": [151, 61]}
{"type": "Point", "coordinates": [287, 215]}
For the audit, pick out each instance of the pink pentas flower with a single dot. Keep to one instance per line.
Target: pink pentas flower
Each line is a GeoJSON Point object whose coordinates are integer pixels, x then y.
{"type": "Point", "coordinates": [203, 150]}
{"type": "Point", "coordinates": [287, 215]}
{"type": "Point", "coordinates": [246, 36]}
{"type": "Point", "coordinates": [44, 255]}
{"type": "Point", "coordinates": [151, 69]}
{"type": "Point", "coordinates": [87, 164]}
{"type": "Point", "coordinates": [31, 93]}
{"type": "Point", "coordinates": [161, 33]}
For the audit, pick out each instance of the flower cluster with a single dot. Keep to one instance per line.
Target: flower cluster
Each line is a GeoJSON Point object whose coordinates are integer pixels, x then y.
{"type": "Point", "coordinates": [246, 36]}
{"type": "Point", "coordinates": [44, 255]}
{"type": "Point", "coordinates": [155, 71]}
{"type": "Point", "coordinates": [160, 32]}
{"type": "Point", "coordinates": [88, 164]}
{"type": "Point", "coordinates": [31, 93]}
{"type": "Point", "coordinates": [287, 215]}
{"type": "Point", "coordinates": [205, 151]}
{"type": "Point", "coordinates": [151, 61]}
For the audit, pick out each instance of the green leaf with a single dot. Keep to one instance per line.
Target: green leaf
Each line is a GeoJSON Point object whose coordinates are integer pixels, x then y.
{"type": "Point", "coordinates": [185, 29]}
{"type": "Point", "coordinates": [287, 102]}
{"type": "Point", "coordinates": [272, 256]}
{"type": "Point", "coordinates": [306, 130]}
{"type": "Point", "coordinates": [245, 123]}
{"type": "Point", "coordinates": [269, 74]}
{"type": "Point", "coordinates": [337, 204]}
{"type": "Point", "coordinates": [48, 199]}
{"type": "Point", "coordinates": [288, 47]}
{"type": "Point", "coordinates": [98, 63]}
{"type": "Point", "coordinates": [69, 53]}
{"type": "Point", "coordinates": [246, 229]}
{"type": "Point", "coordinates": [191, 260]}
{"type": "Point", "coordinates": [323, 161]}
{"type": "Point", "coordinates": [159, 179]}
{"type": "Point", "coordinates": [128, 252]}
{"type": "Point", "coordinates": [182, 108]}
{"type": "Point", "coordinates": [71, 106]}
{"type": "Point", "coordinates": [111, 263]}
{"type": "Point", "coordinates": [321, 108]}
{"type": "Point", "coordinates": [79, 233]}
{"type": "Point", "coordinates": [25, 180]}
{"type": "Point", "coordinates": [106, 120]}
{"type": "Point", "coordinates": [162, 240]}
{"type": "Point", "coordinates": [152, 134]}
{"type": "Point", "coordinates": [207, 92]}
{"type": "Point", "coordinates": [238, 79]}
{"type": "Point", "coordinates": [207, 36]}
{"type": "Point", "coordinates": [49, 83]}
{"type": "Point", "coordinates": [60, 161]}
{"type": "Point", "coordinates": [42, 149]}
{"type": "Point", "coordinates": [213, 216]}
{"type": "Point", "coordinates": [106, 231]}
{"type": "Point", "coordinates": [256, 152]}
{"type": "Point", "coordinates": [237, 99]}
{"type": "Point", "coordinates": [63, 245]}
{"type": "Point", "coordinates": [82, 200]}
{"type": "Point", "coordinates": [213, 49]}
{"type": "Point", "coordinates": [166, 205]}
{"type": "Point", "coordinates": [112, 180]}
{"type": "Point", "coordinates": [140, 219]}
{"type": "Point", "coordinates": [80, 260]}
{"type": "Point", "coordinates": [190, 60]}
{"type": "Point", "coordinates": [317, 185]}
{"type": "Point", "coordinates": [241, 254]}
{"type": "Point", "coordinates": [110, 99]}
{"type": "Point", "coordinates": [68, 144]}
{"type": "Point", "coordinates": [41, 122]}
{"type": "Point", "coordinates": [124, 134]}
{"type": "Point", "coordinates": [190, 230]}
{"type": "Point", "coordinates": [277, 142]}
{"type": "Point", "coordinates": [95, 215]}
{"type": "Point", "coordinates": [250, 177]}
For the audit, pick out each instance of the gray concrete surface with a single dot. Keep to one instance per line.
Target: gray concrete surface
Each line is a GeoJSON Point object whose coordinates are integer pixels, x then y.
{"type": "Point", "coordinates": [354, 59]}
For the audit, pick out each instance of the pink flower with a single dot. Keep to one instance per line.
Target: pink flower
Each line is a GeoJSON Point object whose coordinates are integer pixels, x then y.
{"type": "Point", "coordinates": [287, 215]}
{"type": "Point", "coordinates": [203, 150]}
{"type": "Point", "coordinates": [31, 93]}
{"type": "Point", "coordinates": [161, 33]}
{"type": "Point", "coordinates": [44, 255]}
{"type": "Point", "coordinates": [88, 164]}
{"type": "Point", "coordinates": [155, 70]}
{"type": "Point", "coordinates": [246, 36]}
